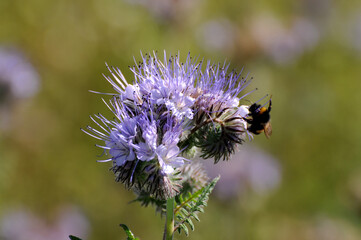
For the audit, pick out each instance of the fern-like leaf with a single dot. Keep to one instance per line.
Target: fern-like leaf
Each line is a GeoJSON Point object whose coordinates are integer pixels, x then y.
{"type": "Point", "coordinates": [189, 204]}
{"type": "Point", "coordinates": [130, 235]}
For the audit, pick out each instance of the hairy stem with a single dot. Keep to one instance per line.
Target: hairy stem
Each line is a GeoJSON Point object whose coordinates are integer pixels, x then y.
{"type": "Point", "coordinates": [169, 221]}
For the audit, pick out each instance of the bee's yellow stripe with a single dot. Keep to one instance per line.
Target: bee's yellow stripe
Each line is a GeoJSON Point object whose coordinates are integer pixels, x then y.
{"type": "Point", "coordinates": [262, 110]}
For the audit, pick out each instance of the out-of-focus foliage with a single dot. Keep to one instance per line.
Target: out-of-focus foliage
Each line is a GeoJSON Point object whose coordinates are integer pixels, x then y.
{"type": "Point", "coordinates": [305, 53]}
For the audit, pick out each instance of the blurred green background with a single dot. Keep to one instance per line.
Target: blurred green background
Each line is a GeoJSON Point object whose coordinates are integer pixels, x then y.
{"type": "Point", "coordinates": [306, 53]}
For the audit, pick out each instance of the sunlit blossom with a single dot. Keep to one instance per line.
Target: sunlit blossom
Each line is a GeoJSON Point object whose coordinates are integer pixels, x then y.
{"type": "Point", "coordinates": [170, 109]}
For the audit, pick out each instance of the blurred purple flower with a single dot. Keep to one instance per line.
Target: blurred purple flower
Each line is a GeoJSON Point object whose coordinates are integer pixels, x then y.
{"type": "Point", "coordinates": [166, 10]}
{"type": "Point", "coordinates": [281, 44]}
{"type": "Point", "coordinates": [24, 225]}
{"type": "Point", "coordinates": [18, 80]}
{"type": "Point", "coordinates": [217, 35]}
{"type": "Point", "coordinates": [249, 169]}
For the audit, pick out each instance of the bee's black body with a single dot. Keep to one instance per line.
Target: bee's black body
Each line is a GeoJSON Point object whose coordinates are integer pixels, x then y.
{"type": "Point", "coordinates": [259, 119]}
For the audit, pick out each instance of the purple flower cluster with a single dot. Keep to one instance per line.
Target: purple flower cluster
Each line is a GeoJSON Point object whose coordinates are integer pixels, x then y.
{"type": "Point", "coordinates": [171, 110]}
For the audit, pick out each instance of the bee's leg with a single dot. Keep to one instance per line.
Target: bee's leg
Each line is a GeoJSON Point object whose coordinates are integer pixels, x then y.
{"type": "Point", "coordinates": [248, 120]}
{"type": "Point", "coordinates": [270, 104]}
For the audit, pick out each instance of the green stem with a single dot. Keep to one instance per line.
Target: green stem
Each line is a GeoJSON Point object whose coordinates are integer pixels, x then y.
{"type": "Point", "coordinates": [169, 222]}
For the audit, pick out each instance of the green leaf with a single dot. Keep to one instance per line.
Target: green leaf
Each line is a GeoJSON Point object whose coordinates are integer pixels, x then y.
{"type": "Point", "coordinates": [188, 205]}
{"type": "Point", "coordinates": [185, 229]}
{"type": "Point", "coordinates": [195, 216]}
{"type": "Point", "coordinates": [74, 238]}
{"type": "Point", "coordinates": [130, 235]}
{"type": "Point", "coordinates": [190, 223]}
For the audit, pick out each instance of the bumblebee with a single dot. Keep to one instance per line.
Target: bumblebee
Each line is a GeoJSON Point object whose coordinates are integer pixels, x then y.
{"type": "Point", "coordinates": [259, 119]}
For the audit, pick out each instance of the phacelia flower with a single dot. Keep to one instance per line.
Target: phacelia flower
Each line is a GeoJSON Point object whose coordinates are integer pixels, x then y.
{"type": "Point", "coordinates": [169, 109]}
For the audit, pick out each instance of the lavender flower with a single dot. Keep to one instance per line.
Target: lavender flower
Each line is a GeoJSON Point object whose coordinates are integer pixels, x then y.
{"type": "Point", "coordinates": [18, 78]}
{"type": "Point", "coordinates": [170, 109]}
{"type": "Point", "coordinates": [18, 81]}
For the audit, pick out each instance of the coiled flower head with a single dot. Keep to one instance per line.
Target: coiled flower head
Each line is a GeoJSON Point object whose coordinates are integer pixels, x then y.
{"type": "Point", "coordinates": [168, 110]}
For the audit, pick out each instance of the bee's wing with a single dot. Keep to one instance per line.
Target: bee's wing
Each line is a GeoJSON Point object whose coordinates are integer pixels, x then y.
{"type": "Point", "coordinates": [268, 130]}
